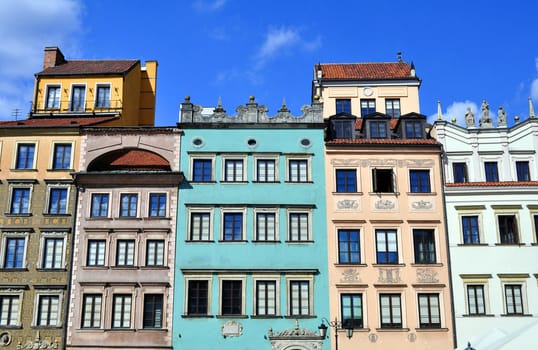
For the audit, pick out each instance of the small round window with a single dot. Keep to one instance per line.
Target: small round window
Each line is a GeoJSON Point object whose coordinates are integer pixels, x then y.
{"type": "Point", "coordinates": [252, 142]}
{"type": "Point", "coordinates": [197, 142]}
{"type": "Point", "coordinates": [305, 143]}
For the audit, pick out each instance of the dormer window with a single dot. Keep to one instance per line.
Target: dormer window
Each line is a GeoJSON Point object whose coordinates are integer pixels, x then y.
{"type": "Point", "coordinates": [413, 129]}
{"type": "Point", "coordinates": [343, 129]}
{"type": "Point", "coordinates": [377, 129]}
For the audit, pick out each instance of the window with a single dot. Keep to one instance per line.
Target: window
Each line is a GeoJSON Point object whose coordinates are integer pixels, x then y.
{"type": "Point", "coordinates": [508, 232]}
{"type": "Point", "coordinates": [299, 298]}
{"type": "Point", "coordinates": [53, 97]}
{"type": "Point", "coordinates": [15, 251]}
{"type": "Point", "coordinates": [121, 311]}
{"type": "Point", "coordinates": [351, 310]}
{"type": "Point", "coordinates": [53, 253]}
{"type": "Point", "coordinates": [202, 170]}
{"type": "Point", "coordinates": [298, 227]}
{"type": "Point", "coordinates": [429, 311]}
{"type": "Point", "coordinates": [367, 107]}
{"type": "Point", "coordinates": [233, 170]}
{"type": "Point", "coordinates": [383, 180]}
{"type": "Point", "coordinates": [48, 312]}
{"type": "Point", "coordinates": [232, 300]}
{"type": "Point", "coordinates": [200, 227]}
{"type": "Point", "coordinates": [469, 227]}
{"type": "Point", "coordinates": [522, 170]}
{"type": "Point", "coordinates": [155, 253]}
{"type": "Point", "coordinates": [9, 310]}
{"type": "Point", "coordinates": [535, 218]}
{"type": "Point", "coordinates": [265, 170]}
{"type": "Point", "coordinates": [390, 310]}
{"type": "Point", "coordinates": [78, 95]}
{"type": "Point", "coordinates": [343, 129]}
{"type": "Point", "coordinates": [125, 252]}
{"type": "Point", "coordinates": [96, 253]}
{"type": "Point", "coordinates": [492, 173]}
{"type": "Point", "coordinates": [265, 298]}
{"type": "Point", "coordinates": [386, 246]}
{"type": "Point", "coordinates": [475, 299]}
{"type": "Point", "coordinates": [346, 180]}
{"type": "Point", "coordinates": [420, 181]}
{"type": "Point", "coordinates": [157, 204]}
{"type": "Point", "coordinates": [413, 129]}
{"type": "Point", "coordinates": [153, 311]}
{"type": "Point", "coordinates": [377, 129]}
{"type": "Point", "coordinates": [99, 205]}
{"type": "Point", "coordinates": [62, 156]}
{"type": "Point", "coordinates": [57, 201]}
{"type": "Point", "coordinates": [343, 106]}
{"type": "Point", "coordinates": [232, 227]}
{"type": "Point", "coordinates": [392, 107]}
{"type": "Point", "coordinates": [197, 299]}
{"type": "Point", "coordinates": [460, 172]}
{"type": "Point", "coordinates": [91, 310]}
{"type": "Point", "coordinates": [266, 226]}
{"type": "Point", "coordinates": [20, 201]}
{"type": "Point", "coordinates": [348, 247]}
{"type": "Point", "coordinates": [102, 96]}
{"type": "Point", "coordinates": [128, 205]}
{"type": "Point", "coordinates": [25, 156]}
{"type": "Point", "coordinates": [424, 242]}
{"type": "Point", "coordinates": [514, 299]}
{"type": "Point", "coordinates": [298, 170]}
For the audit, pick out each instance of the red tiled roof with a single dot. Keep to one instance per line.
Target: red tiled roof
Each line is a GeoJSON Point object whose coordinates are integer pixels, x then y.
{"type": "Point", "coordinates": [366, 71]}
{"type": "Point", "coordinates": [139, 159]}
{"type": "Point", "coordinates": [84, 67]}
{"type": "Point", "coordinates": [382, 141]}
{"type": "Point", "coordinates": [44, 122]}
{"type": "Point", "coordinates": [493, 184]}
{"type": "Point", "coordinates": [393, 122]}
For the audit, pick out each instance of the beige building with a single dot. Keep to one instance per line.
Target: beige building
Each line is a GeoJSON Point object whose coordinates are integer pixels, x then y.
{"type": "Point", "coordinates": [389, 282]}
{"type": "Point", "coordinates": [124, 239]}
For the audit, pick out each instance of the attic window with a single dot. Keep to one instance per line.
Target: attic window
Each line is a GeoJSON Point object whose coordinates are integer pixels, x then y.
{"type": "Point", "coordinates": [343, 129]}
{"type": "Point", "coordinates": [377, 129]}
{"type": "Point", "coordinates": [413, 129]}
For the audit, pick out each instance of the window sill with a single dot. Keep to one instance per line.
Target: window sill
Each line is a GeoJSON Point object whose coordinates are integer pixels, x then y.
{"type": "Point", "coordinates": [149, 330]}
{"type": "Point", "coordinates": [299, 316]}
{"type": "Point", "coordinates": [265, 316]}
{"type": "Point", "coordinates": [387, 265]}
{"type": "Point", "coordinates": [347, 193]}
{"type": "Point", "coordinates": [157, 218]}
{"type": "Point", "coordinates": [265, 242]}
{"type": "Point", "coordinates": [365, 330]}
{"type": "Point", "coordinates": [299, 242]}
{"type": "Point", "coordinates": [20, 170]}
{"type": "Point", "coordinates": [231, 316]}
{"type": "Point", "coordinates": [435, 264]}
{"type": "Point", "coordinates": [57, 170]}
{"type": "Point", "coordinates": [197, 316]}
{"type": "Point", "coordinates": [422, 193]}
{"type": "Point", "coordinates": [233, 241]}
{"type": "Point", "coordinates": [18, 326]}
{"type": "Point", "coordinates": [120, 329]}
{"type": "Point", "coordinates": [43, 269]}
{"type": "Point", "coordinates": [478, 315]}
{"type": "Point", "coordinates": [384, 193]}
{"type": "Point", "coordinates": [350, 265]}
{"type": "Point", "coordinates": [516, 315]}
{"type": "Point", "coordinates": [18, 214]}
{"type": "Point", "coordinates": [56, 215]}
{"type": "Point", "coordinates": [14, 269]}
{"type": "Point", "coordinates": [199, 241]}
{"type": "Point", "coordinates": [92, 330]}
{"type": "Point", "coordinates": [234, 182]}
{"type": "Point", "coordinates": [92, 218]}
{"type": "Point", "coordinates": [439, 329]}
{"type": "Point", "coordinates": [392, 329]}
{"type": "Point", "coordinates": [266, 182]}
{"type": "Point", "coordinates": [299, 182]}
{"type": "Point", "coordinates": [46, 327]}
{"type": "Point", "coordinates": [510, 244]}
{"type": "Point", "coordinates": [124, 267]}
{"type": "Point", "coordinates": [154, 267]}
{"type": "Point", "coordinates": [472, 244]}
{"type": "Point", "coordinates": [128, 218]}
{"type": "Point", "coordinates": [203, 182]}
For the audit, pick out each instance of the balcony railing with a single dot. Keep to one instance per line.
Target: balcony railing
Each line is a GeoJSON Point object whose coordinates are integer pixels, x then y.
{"type": "Point", "coordinates": [74, 107]}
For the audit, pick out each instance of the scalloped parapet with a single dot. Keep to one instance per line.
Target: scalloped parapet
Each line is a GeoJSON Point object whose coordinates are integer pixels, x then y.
{"type": "Point", "coordinates": [250, 113]}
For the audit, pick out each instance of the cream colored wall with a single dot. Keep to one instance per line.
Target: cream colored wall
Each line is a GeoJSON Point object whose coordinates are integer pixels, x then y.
{"type": "Point", "coordinates": [359, 211]}
{"type": "Point", "coordinates": [408, 95]}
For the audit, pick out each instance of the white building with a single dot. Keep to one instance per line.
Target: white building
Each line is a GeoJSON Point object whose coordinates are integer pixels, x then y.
{"type": "Point", "coordinates": [491, 194]}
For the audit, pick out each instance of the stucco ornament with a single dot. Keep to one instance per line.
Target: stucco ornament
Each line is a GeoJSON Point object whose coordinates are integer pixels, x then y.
{"type": "Point", "coordinates": [501, 117]}
{"type": "Point", "coordinates": [347, 204]}
{"type": "Point", "coordinates": [350, 275]}
{"type": "Point", "coordinates": [422, 204]}
{"type": "Point", "coordinates": [384, 204]}
{"type": "Point", "coordinates": [427, 276]}
{"type": "Point", "coordinates": [37, 343]}
{"type": "Point", "coordinates": [232, 329]}
{"type": "Point", "coordinates": [296, 338]}
{"type": "Point", "coordinates": [389, 276]}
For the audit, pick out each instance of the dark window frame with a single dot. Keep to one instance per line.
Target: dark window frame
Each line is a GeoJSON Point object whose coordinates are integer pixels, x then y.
{"type": "Point", "coordinates": [202, 170]}
{"type": "Point", "coordinates": [419, 180]}
{"type": "Point", "coordinates": [232, 298]}
{"type": "Point", "coordinates": [61, 159]}
{"type": "Point", "coordinates": [197, 297]}
{"type": "Point", "coordinates": [346, 180]}
{"type": "Point", "coordinates": [153, 311]}
{"type": "Point", "coordinates": [232, 226]}
{"type": "Point", "coordinates": [476, 301]}
{"type": "Point", "coordinates": [395, 318]}
{"type": "Point", "coordinates": [470, 229]}
{"type": "Point", "coordinates": [433, 306]}
{"type": "Point", "coordinates": [384, 254]}
{"type": "Point", "coordinates": [459, 170]}
{"type": "Point", "coordinates": [424, 246]}
{"type": "Point", "coordinates": [523, 171]}
{"type": "Point", "coordinates": [343, 105]}
{"type": "Point", "coordinates": [383, 181]}
{"type": "Point", "coordinates": [349, 252]}
{"type": "Point", "coordinates": [491, 171]}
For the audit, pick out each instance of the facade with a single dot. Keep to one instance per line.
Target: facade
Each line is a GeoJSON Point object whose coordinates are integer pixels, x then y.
{"type": "Point", "coordinates": [37, 200]}
{"type": "Point", "coordinates": [491, 173]}
{"type": "Point", "coordinates": [251, 267]}
{"type": "Point", "coordinates": [389, 284]}
{"type": "Point", "coordinates": [124, 239]}
{"type": "Point", "coordinates": [364, 88]}
{"type": "Point", "coordinates": [120, 91]}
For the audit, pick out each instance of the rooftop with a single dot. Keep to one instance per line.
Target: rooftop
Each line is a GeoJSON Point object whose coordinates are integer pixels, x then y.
{"type": "Point", "coordinates": [86, 67]}
{"type": "Point", "coordinates": [367, 71]}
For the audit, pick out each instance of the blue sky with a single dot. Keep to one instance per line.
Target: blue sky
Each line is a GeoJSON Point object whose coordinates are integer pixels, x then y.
{"type": "Point", "coordinates": [464, 51]}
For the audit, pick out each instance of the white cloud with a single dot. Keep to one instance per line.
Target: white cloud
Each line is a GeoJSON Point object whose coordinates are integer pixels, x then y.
{"type": "Point", "coordinates": [207, 5]}
{"type": "Point", "coordinates": [26, 28]}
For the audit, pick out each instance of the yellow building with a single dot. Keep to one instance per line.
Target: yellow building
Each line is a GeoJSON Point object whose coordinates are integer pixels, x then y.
{"type": "Point", "coordinates": [123, 91]}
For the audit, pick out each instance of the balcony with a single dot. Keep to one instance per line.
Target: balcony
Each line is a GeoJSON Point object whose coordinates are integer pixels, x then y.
{"type": "Point", "coordinates": [70, 107]}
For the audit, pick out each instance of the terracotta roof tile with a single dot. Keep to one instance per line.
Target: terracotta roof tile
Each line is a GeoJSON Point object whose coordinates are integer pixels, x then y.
{"type": "Point", "coordinates": [139, 159]}
{"type": "Point", "coordinates": [393, 122]}
{"type": "Point", "coordinates": [83, 67]}
{"type": "Point", "coordinates": [382, 142]}
{"type": "Point", "coordinates": [44, 122]}
{"type": "Point", "coordinates": [366, 71]}
{"type": "Point", "coordinates": [493, 184]}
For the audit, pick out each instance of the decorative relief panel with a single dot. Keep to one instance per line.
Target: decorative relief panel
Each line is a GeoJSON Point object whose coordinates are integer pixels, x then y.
{"type": "Point", "coordinates": [296, 338]}
{"type": "Point", "coordinates": [347, 205]}
{"type": "Point", "coordinates": [422, 205]}
{"type": "Point", "coordinates": [400, 163]}
{"type": "Point", "coordinates": [350, 276]}
{"type": "Point", "coordinates": [389, 275]}
{"type": "Point", "coordinates": [384, 204]}
{"type": "Point", "coordinates": [232, 329]}
{"type": "Point", "coordinates": [427, 276]}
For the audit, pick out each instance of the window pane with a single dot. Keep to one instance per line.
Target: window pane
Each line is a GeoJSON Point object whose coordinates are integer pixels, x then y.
{"type": "Point", "coordinates": [197, 297]}
{"type": "Point", "coordinates": [200, 230]}
{"type": "Point", "coordinates": [420, 181]}
{"type": "Point", "coordinates": [20, 201]}
{"type": "Point", "coordinates": [25, 156]}
{"type": "Point", "coordinates": [265, 170]}
{"type": "Point", "coordinates": [346, 180]}
{"type": "Point", "coordinates": [424, 243]}
{"type": "Point", "coordinates": [231, 302]}
{"type": "Point", "coordinates": [99, 205]}
{"type": "Point", "coordinates": [265, 226]}
{"type": "Point", "coordinates": [157, 204]}
{"type": "Point", "coordinates": [155, 253]}
{"type": "Point", "coordinates": [15, 249]}
{"type": "Point", "coordinates": [233, 227]}
{"type": "Point", "coordinates": [460, 172]}
{"type": "Point", "coordinates": [470, 229]}
{"type": "Point", "coordinates": [298, 170]}
{"type": "Point", "coordinates": [343, 106]}
{"type": "Point", "coordinates": [299, 298]}
{"type": "Point", "coordinates": [265, 298]}
{"type": "Point", "coordinates": [298, 227]}
{"type": "Point", "coordinates": [153, 311]}
{"type": "Point", "coordinates": [387, 247]}
{"type": "Point", "coordinates": [121, 313]}
{"type": "Point", "coordinates": [351, 310]}
{"type": "Point", "coordinates": [91, 311]}
{"type": "Point", "coordinates": [9, 310]}
{"type": "Point", "coordinates": [348, 247]}
{"type": "Point", "coordinates": [202, 170]}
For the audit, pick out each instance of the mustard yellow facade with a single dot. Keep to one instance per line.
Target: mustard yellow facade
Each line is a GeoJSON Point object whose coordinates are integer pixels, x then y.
{"type": "Point", "coordinates": [122, 89]}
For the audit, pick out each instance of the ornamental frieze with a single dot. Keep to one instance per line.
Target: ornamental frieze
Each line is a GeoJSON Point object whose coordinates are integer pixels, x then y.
{"type": "Point", "coordinates": [347, 204]}
{"type": "Point", "coordinates": [350, 276]}
{"type": "Point", "coordinates": [391, 275]}
{"type": "Point", "coordinates": [421, 205]}
{"type": "Point", "coordinates": [383, 162]}
{"type": "Point", "coordinates": [427, 276]}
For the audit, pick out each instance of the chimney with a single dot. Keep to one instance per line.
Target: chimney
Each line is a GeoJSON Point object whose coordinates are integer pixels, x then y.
{"type": "Point", "coordinates": [53, 57]}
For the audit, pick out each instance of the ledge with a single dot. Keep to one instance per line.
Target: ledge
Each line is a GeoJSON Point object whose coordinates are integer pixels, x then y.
{"type": "Point", "coordinates": [478, 315]}
{"type": "Point", "coordinates": [231, 316]}
{"type": "Point", "coordinates": [266, 316]}
{"type": "Point", "coordinates": [392, 329]}
{"type": "Point", "coordinates": [431, 329]}
{"type": "Point", "coordinates": [197, 316]}
{"type": "Point", "coordinates": [516, 315]}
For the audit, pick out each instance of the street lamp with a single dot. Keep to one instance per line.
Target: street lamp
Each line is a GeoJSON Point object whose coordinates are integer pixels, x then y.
{"type": "Point", "coordinates": [336, 326]}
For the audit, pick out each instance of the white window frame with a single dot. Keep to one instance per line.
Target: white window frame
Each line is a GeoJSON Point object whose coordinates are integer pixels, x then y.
{"type": "Point", "coordinates": [297, 278]}
{"type": "Point", "coordinates": [36, 152]}
{"type": "Point", "coordinates": [477, 213]}
{"type": "Point", "coordinates": [55, 235]}
{"type": "Point", "coordinates": [243, 159]}
{"type": "Point", "coordinates": [138, 200]}
{"type": "Point", "coordinates": [291, 211]}
{"type": "Point", "coordinates": [522, 158]}
{"type": "Point", "coordinates": [200, 210]}
{"type": "Point", "coordinates": [516, 280]}
{"type": "Point", "coordinates": [202, 156]}
{"type": "Point", "coordinates": [262, 157]}
{"type": "Point", "coordinates": [308, 160]}
{"type": "Point", "coordinates": [394, 172]}
{"type": "Point", "coordinates": [97, 86]}
{"type": "Point", "coordinates": [264, 278]}
{"type": "Point", "coordinates": [46, 95]}
{"type": "Point", "coordinates": [233, 210]}
{"type": "Point", "coordinates": [243, 280]}
{"type": "Point", "coordinates": [71, 90]}
{"type": "Point", "coordinates": [18, 293]}
{"type": "Point", "coordinates": [47, 202]}
{"type": "Point", "coordinates": [209, 279]}
{"type": "Point", "coordinates": [109, 205]}
{"type": "Point", "coordinates": [5, 237]}
{"type": "Point", "coordinates": [468, 169]}
{"type": "Point", "coordinates": [274, 211]}
{"type": "Point", "coordinates": [16, 185]}
{"type": "Point", "coordinates": [53, 151]}
{"type": "Point", "coordinates": [498, 160]}
{"type": "Point", "coordinates": [48, 292]}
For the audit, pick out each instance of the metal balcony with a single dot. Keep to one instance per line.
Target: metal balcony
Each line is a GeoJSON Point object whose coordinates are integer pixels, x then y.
{"type": "Point", "coordinates": [79, 108]}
